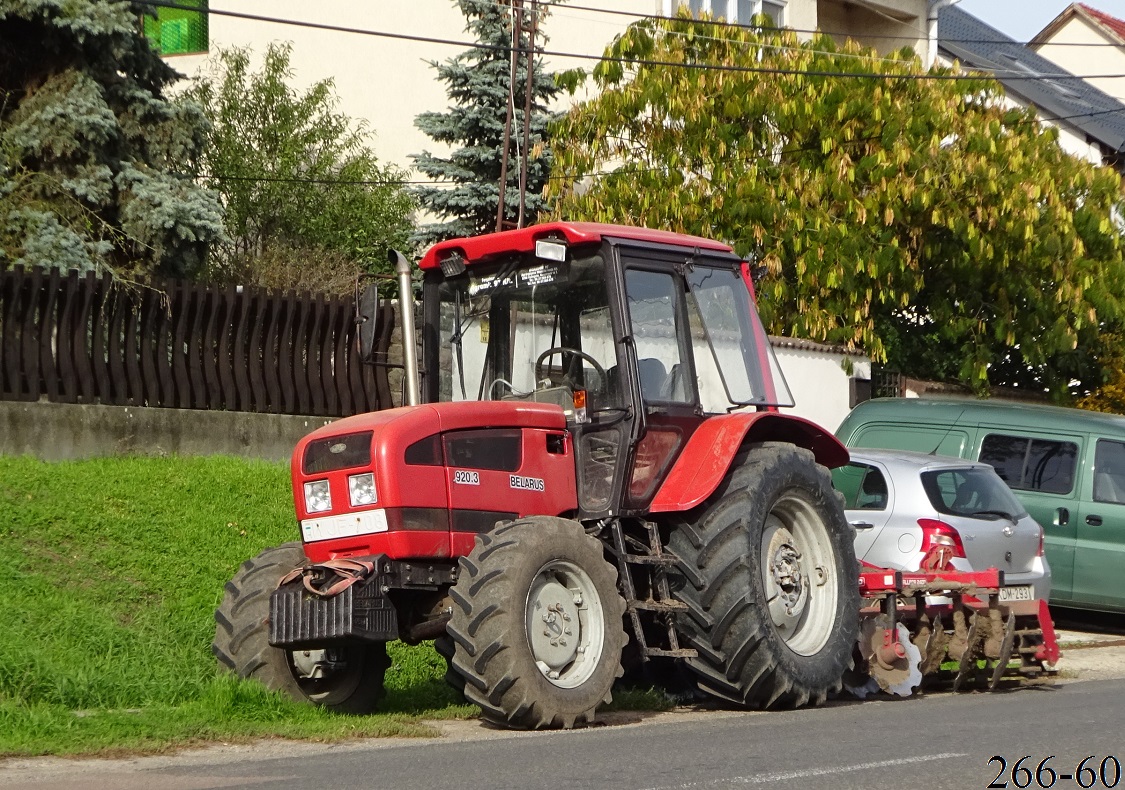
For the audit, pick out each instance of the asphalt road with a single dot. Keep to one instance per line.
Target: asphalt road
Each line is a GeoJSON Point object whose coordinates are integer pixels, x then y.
{"type": "Point", "coordinates": [932, 742]}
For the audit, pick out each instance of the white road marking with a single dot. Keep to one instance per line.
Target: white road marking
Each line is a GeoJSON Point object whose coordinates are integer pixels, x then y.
{"type": "Point", "coordinates": [810, 772]}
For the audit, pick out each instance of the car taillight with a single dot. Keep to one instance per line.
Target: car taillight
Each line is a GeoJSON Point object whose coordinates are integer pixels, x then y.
{"type": "Point", "coordinates": [938, 533]}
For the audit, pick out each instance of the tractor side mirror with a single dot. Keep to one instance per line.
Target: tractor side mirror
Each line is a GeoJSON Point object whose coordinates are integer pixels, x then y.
{"type": "Point", "coordinates": [366, 312]}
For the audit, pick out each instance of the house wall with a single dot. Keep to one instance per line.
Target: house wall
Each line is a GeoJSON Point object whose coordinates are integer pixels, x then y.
{"type": "Point", "coordinates": [820, 380]}
{"type": "Point", "coordinates": [388, 81]}
{"type": "Point", "coordinates": [1073, 140]}
{"type": "Point", "coordinates": [1091, 58]}
{"type": "Point", "coordinates": [866, 23]}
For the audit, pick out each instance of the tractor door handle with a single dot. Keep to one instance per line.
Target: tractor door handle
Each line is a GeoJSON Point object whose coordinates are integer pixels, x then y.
{"type": "Point", "coordinates": [862, 525]}
{"type": "Point", "coordinates": [1062, 517]}
{"type": "Point", "coordinates": [1094, 521]}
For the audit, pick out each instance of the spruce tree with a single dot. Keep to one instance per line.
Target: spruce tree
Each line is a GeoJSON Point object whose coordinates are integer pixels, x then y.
{"type": "Point", "coordinates": [467, 189]}
{"type": "Point", "coordinates": [93, 158]}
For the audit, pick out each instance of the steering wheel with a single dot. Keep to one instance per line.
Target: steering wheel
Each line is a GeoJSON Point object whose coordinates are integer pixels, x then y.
{"type": "Point", "coordinates": [540, 373]}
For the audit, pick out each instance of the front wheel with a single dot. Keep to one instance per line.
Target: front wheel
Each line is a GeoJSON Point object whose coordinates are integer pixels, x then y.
{"type": "Point", "coordinates": [346, 679]}
{"type": "Point", "coordinates": [770, 579]}
{"type": "Point", "coordinates": [537, 624]}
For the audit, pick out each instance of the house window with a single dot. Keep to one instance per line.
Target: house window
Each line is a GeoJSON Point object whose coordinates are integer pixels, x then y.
{"type": "Point", "coordinates": [177, 31]}
{"type": "Point", "coordinates": [740, 11]}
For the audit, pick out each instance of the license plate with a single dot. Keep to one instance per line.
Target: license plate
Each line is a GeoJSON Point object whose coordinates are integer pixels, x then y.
{"type": "Point", "coordinates": [1021, 592]}
{"type": "Point", "coordinates": [345, 526]}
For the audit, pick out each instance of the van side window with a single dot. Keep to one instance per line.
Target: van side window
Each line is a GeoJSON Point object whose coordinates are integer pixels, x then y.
{"type": "Point", "coordinates": [1028, 464]}
{"type": "Point", "coordinates": [1109, 471]}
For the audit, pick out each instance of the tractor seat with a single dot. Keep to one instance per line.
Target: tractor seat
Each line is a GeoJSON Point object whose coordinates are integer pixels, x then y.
{"type": "Point", "coordinates": [653, 376]}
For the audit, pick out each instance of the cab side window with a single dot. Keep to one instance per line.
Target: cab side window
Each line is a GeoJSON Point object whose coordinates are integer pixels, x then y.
{"type": "Point", "coordinates": [1109, 472]}
{"type": "Point", "coordinates": [654, 318]}
{"type": "Point", "coordinates": [1028, 464]}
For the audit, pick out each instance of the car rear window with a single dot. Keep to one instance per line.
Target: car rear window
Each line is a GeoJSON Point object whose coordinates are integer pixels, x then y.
{"type": "Point", "coordinates": [971, 492]}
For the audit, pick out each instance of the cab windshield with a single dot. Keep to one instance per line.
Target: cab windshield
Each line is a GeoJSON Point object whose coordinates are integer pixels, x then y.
{"type": "Point", "coordinates": [528, 330]}
{"type": "Point", "coordinates": [531, 329]}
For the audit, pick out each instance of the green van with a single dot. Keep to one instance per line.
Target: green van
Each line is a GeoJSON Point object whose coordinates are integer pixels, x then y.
{"type": "Point", "coordinates": [1067, 466]}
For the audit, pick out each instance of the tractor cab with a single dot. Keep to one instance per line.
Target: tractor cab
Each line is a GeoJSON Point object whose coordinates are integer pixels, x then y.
{"type": "Point", "coordinates": [635, 334]}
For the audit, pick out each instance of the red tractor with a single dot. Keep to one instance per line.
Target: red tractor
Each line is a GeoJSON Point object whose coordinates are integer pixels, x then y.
{"type": "Point", "coordinates": [592, 467]}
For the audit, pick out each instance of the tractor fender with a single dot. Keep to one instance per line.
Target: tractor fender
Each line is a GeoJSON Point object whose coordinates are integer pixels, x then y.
{"type": "Point", "coordinates": [709, 453]}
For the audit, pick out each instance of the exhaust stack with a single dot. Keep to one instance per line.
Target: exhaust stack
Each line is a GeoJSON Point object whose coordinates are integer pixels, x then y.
{"type": "Point", "coordinates": [406, 305]}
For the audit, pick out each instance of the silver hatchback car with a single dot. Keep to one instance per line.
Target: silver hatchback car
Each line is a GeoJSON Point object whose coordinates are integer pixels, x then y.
{"type": "Point", "coordinates": [906, 505]}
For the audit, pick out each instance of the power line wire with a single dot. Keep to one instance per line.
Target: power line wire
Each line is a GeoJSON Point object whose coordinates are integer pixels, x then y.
{"type": "Point", "coordinates": [917, 76]}
{"type": "Point", "coordinates": [552, 177]}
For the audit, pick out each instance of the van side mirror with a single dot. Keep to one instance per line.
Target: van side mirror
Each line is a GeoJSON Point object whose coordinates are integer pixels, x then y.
{"type": "Point", "coordinates": [366, 313]}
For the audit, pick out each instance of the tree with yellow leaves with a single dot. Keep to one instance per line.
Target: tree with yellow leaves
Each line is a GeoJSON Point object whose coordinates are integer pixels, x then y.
{"type": "Point", "coordinates": [909, 213]}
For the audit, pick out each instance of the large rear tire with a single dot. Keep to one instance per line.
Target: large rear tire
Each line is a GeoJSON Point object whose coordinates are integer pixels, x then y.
{"type": "Point", "coordinates": [537, 624]}
{"type": "Point", "coordinates": [770, 578]}
{"type": "Point", "coordinates": [446, 647]}
{"type": "Point", "coordinates": [344, 679]}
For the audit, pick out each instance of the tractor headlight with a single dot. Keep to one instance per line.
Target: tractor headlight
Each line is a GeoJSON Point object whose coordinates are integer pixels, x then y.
{"type": "Point", "coordinates": [361, 490]}
{"type": "Point", "coordinates": [318, 498]}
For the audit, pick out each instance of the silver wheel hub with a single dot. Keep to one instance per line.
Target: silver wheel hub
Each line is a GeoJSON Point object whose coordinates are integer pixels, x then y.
{"type": "Point", "coordinates": [555, 643]}
{"type": "Point", "coordinates": [314, 664]}
{"type": "Point", "coordinates": [797, 563]}
{"type": "Point", "coordinates": [565, 624]}
{"type": "Point", "coordinates": [789, 585]}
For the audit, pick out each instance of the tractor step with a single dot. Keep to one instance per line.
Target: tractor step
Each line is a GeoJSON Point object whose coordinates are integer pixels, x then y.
{"type": "Point", "coordinates": [683, 652]}
{"type": "Point", "coordinates": [649, 590]}
{"type": "Point", "coordinates": [664, 560]}
{"type": "Point", "coordinates": [658, 606]}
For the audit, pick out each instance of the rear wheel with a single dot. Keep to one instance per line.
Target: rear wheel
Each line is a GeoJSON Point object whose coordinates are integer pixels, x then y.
{"type": "Point", "coordinates": [537, 624]}
{"type": "Point", "coordinates": [346, 679]}
{"type": "Point", "coordinates": [445, 647]}
{"type": "Point", "coordinates": [769, 575]}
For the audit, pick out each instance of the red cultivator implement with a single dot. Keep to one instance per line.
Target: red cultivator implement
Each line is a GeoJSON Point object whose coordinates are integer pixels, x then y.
{"type": "Point", "coordinates": [947, 625]}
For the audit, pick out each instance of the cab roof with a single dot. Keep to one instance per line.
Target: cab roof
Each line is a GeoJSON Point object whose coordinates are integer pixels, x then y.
{"type": "Point", "coordinates": [479, 248]}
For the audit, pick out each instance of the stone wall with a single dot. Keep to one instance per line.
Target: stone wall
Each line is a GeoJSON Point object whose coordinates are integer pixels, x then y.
{"type": "Point", "coordinates": [63, 431]}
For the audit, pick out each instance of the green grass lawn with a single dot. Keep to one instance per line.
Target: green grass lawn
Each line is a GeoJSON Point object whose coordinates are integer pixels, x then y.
{"type": "Point", "coordinates": [110, 571]}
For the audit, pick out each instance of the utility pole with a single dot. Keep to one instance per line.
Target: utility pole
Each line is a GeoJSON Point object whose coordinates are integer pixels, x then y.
{"type": "Point", "coordinates": [525, 153]}
{"type": "Point", "coordinates": [517, 28]}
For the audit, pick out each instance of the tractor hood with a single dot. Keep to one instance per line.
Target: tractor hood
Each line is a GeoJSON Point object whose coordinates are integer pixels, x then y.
{"type": "Point", "coordinates": [418, 481]}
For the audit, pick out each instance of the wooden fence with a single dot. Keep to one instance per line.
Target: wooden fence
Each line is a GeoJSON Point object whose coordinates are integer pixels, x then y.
{"type": "Point", "coordinates": [89, 339]}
